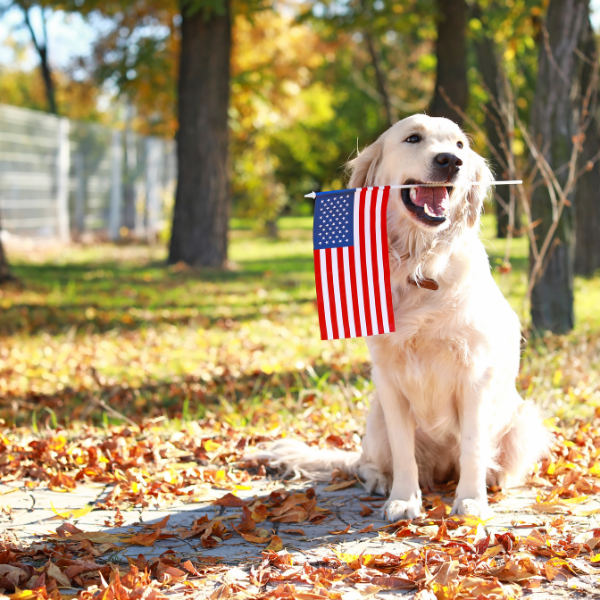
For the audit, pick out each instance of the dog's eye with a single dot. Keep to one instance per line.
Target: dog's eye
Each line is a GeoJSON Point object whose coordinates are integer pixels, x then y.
{"type": "Point", "coordinates": [459, 144]}
{"type": "Point", "coordinates": [413, 139]}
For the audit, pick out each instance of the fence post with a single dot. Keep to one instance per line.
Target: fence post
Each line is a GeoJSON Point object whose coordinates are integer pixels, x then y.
{"type": "Point", "coordinates": [116, 188]}
{"type": "Point", "coordinates": [152, 188]}
{"type": "Point", "coordinates": [79, 168]}
{"type": "Point", "coordinates": [62, 180]}
{"type": "Point", "coordinates": [129, 188]}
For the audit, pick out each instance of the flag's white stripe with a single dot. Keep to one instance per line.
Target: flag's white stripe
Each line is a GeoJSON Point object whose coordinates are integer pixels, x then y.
{"type": "Point", "coordinates": [348, 288]}
{"type": "Point", "coordinates": [368, 261]}
{"type": "Point", "coordinates": [336, 294]}
{"type": "Point", "coordinates": [325, 292]}
{"type": "Point", "coordinates": [357, 268]}
{"type": "Point", "coordinates": [380, 269]}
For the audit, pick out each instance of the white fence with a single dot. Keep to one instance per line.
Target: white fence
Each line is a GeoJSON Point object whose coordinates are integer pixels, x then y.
{"type": "Point", "coordinates": [62, 179]}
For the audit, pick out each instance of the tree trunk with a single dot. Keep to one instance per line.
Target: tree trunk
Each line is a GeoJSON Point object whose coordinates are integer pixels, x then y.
{"type": "Point", "coordinates": [42, 50]}
{"type": "Point", "coordinates": [451, 54]}
{"type": "Point", "coordinates": [48, 82]}
{"type": "Point", "coordinates": [587, 200]}
{"type": "Point", "coordinates": [382, 87]}
{"type": "Point", "coordinates": [553, 123]}
{"type": "Point", "coordinates": [200, 220]}
{"type": "Point", "coordinates": [495, 124]}
{"type": "Point", "coordinates": [5, 274]}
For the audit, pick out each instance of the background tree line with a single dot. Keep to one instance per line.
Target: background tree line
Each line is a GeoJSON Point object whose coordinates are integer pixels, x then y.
{"type": "Point", "coordinates": [267, 100]}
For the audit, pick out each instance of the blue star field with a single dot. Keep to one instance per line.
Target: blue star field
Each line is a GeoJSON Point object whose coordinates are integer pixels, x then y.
{"type": "Point", "coordinates": [334, 220]}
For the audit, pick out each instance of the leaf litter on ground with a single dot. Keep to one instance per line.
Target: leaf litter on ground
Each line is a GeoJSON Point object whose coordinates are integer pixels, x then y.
{"type": "Point", "coordinates": [151, 466]}
{"type": "Point", "coordinates": [205, 367]}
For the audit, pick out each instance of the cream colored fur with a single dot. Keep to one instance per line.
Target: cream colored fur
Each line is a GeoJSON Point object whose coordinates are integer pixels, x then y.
{"type": "Point", "coordinates": [446, 406]}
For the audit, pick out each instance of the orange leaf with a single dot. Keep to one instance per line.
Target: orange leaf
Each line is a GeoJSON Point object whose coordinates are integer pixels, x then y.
{"type": "Point", "coordinates": [98, 537]}
{"type": "Point", "coordinates": [248, 524]}
{"type": "Point", "coordinates": [293, 531]}
{"type": "Point", "coordinates": [172, 574]}
{"type": "Point", "coordinates": [259, 513]}
{"type": "Point", "coordinates": [394, 583]}
{"type": "Point", "coordinates": [229, 500]}
{"type": "Point", "coordinates": [439, 512]}
{"type": "Point", "coordinates": [296, 515]}
{"type": "Point", "coordinates": [366, 529]}
{"type": "Point", "coordinates": [262, 538]}
{"type": "Point", "coordinates": [61, 482]}
{"type": "Point", "coordinates": [56, 574]}
{"type": "Point", "coordinates": [143, 539]}
{"type": "Point", "coordinates": [189, 567]}
{"type": "Point", "coordinates": [160, 525]}
{"type": "Point", "coordinates": [366, 510]}
{"type": "Point", "coordinates": [341, 531]}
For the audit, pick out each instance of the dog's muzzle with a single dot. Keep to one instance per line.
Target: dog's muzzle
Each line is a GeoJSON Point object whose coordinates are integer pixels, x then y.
{"type": "Point", "coordinates": [430, 205]}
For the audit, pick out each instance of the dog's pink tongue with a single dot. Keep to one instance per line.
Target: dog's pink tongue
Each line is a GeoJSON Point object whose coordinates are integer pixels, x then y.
{"type": "Point", "coordinates": [436, 199]}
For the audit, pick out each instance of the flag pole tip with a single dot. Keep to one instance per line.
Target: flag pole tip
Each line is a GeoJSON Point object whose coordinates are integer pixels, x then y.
{"type": "Point", "coordinates": [311, 195]}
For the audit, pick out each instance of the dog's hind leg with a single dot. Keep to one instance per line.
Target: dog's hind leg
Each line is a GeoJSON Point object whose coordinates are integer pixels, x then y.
{"type": "Point", "coordinates": [375, 466]}
{"type": "Point", "coordinates": [525, 442]}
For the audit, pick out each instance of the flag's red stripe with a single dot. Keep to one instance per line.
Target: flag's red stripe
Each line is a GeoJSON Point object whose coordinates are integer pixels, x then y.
{"type": "Point", "coordinates": [363, 263]}
{"type": "Point", "coordinates": [375, 283]}
{"type": "Point", "coordinates": [342, 280]}
{"type": "Point", "coordinates": [320, 308]}
{"type": "Point", "coordinates": [331, 294]}
{"type": "Point", "coordinates": [386, 260]}
{"type": "Point", "coordinates": [356, 311]}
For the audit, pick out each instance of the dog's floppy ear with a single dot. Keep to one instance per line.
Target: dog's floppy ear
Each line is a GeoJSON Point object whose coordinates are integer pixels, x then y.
{"type": "Point", "coordinates": [480, 172]}
{"type": "Point", "coordinates": [364, 166]}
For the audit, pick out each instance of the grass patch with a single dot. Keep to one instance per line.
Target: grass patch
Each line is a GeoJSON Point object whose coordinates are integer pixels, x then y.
{"type": "Point", "coordinates": [114, 324]}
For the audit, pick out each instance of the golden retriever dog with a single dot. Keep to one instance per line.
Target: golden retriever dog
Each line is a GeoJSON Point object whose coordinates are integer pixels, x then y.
{"type": "Point", "coordinates": [446, 407]}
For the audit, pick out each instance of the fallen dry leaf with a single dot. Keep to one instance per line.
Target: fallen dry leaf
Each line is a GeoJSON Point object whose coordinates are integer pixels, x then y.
{"type": "Point", "coordinates": [293, 531]}
{"type": "Point", "coordinates": [229, 500]}
{"type": "Point", "coordinates": [341, 531]}
{"type": "Point", "coordinates": [341, 485]}
{"type": "Point", "coordinates": [275, 545]}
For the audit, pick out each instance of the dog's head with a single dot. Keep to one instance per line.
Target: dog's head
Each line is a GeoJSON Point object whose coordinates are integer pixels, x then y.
{"type": "Point", "coordinates": [422, 149]}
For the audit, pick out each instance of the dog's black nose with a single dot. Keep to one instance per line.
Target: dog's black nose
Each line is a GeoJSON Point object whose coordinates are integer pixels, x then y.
{"type": "Point", "coordinates": [448, 161]}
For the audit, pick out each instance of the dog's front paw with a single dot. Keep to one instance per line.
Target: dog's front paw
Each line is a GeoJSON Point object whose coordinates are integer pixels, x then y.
{"type": "Point", "coordinates": [468, 506]}
{"type": "Point", "coordinates": [394, 510]}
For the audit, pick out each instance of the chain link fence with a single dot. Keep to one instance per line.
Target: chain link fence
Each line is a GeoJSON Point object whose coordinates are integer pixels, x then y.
{"type": "Point", "coordinates": [62, 179]}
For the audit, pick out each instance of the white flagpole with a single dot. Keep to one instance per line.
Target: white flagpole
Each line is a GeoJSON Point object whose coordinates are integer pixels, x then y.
{"type": "Point", "coordinates": [412, 185]}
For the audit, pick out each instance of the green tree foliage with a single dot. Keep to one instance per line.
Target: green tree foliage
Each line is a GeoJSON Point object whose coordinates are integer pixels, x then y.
{"type": "Point", "coordinates": [305, 90]}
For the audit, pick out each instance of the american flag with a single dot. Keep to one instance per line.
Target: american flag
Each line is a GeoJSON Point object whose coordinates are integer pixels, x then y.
{"type": "Point", "coordinates": [352, 270]}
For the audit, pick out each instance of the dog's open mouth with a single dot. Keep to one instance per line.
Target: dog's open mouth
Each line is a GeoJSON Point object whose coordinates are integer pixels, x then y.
{"type": "Point", "coordinates": [429, 204]}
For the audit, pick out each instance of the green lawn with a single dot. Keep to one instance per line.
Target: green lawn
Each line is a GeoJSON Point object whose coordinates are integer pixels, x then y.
{"type": "Point", "coordinates": [114, 324]}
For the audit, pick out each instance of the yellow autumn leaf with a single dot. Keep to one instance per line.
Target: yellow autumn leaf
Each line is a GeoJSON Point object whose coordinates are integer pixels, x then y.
{"type": "Point", "coordinates": [211, 446]}
{"type": "Point", "coordinates": [595, 470]}
{"type": "Point", "coordinates": [23, 594]}
{"type": "Point", "coordinates": [576, 500]}
{"type": "Point", "coordinates": [275, 545]}
{"type": "Point", "coordinates": [73, 513]}
{"type": "Point", "coordinates": [556, 378]}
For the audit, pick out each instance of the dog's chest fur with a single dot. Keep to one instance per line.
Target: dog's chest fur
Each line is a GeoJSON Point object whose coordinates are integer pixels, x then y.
{"type": "Point", "coordinates": [431, 354]}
